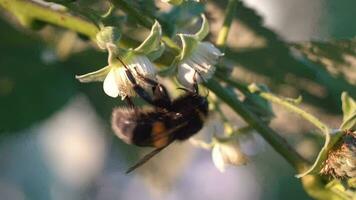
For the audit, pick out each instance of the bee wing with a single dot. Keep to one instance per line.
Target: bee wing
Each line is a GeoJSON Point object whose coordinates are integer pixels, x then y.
{"type": "Point", "coordinates": [148, 156]}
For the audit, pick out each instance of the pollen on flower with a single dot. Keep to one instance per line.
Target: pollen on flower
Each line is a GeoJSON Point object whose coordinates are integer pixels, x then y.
{"type": "Point", "coordinates": [200, 65]}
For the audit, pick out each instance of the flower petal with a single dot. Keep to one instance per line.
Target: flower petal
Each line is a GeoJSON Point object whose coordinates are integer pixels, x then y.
{"type": "Point", "coordinates": [218, 159]}
{"type": "Point", "coordinates": [186, 75]}
{"type": "Point", "coordinates": [110, 86]}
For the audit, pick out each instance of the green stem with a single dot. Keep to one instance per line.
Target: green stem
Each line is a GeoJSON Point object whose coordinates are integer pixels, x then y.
{"type": "Point", "coordinates": [29, 11]}
{"type": "Point", "coordinates": [224, 31]}
{"type": "Point", "coordinates": [240, 86]}
{"type": "Point", "coordinates": [275, 140]}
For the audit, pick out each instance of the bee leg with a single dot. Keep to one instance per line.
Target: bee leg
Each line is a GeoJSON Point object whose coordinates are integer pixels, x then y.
{"type": "Point", "coordinates": [160, 99]}
{"type": "Point", "coordinates": [160, 95]}
{"type": "Point", "coordinates": [129, 102]}
{"type": "Point", "coordinates": [195, 85]}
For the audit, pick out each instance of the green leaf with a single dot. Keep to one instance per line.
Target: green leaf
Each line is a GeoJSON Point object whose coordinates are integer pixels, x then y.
{"type": "Point", "coordinates": [30, 89]}
{"type": "Point", "coordinates": [152, 42]}
{"type": "Point", "coordinates": [98, 75]}
{"type": "Point", "coordinates": [330, 140]}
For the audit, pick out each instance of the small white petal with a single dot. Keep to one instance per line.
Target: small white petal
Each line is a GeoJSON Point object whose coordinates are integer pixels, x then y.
{"type": "Point", "coordinates": [202, 60]}
{"type": "Point", "coordinates": [110, 86]}
{"type": "Point", "coordinates": [207, 46]}
{"type": "Point", "coordinates": [185, 75]}
{"type": "Point", "coordinates": [123, 83]}
{"type": "Point", "coordinates": [218, 159]}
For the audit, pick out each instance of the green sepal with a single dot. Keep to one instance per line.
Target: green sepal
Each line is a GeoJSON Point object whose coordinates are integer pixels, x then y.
{"type": "Point", "coordinates": [171, 70]}
{"type": "Point", "coordinates": [189, 42]}
{"type": "Point", "coordinates": [349, 112]}
{"type": "Point", "coordinates": [330, 141]}
{"type": "Point", "coordinates": [152, 42]}
{"type": "Point", "coordinates": [204, 29]}
{"type": "Point", "coordinates": [350, 123]}
{"type": "Point", "coordinates": [98, 75]}
{"type": "Point", "coordinates": [156, 53]}
{"type": "Point", "coordinates": [108, 34]}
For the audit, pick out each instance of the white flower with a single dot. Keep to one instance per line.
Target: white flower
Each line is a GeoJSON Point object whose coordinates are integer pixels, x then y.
{"type": "Point", "coordinates": [227, 153]}
{"type": "Point", "coordinates": [197, 59]}
{"type": "Point", "coordinates": [200, 63]}
{"type": "Point", "coordinates": [117, 83]}
{"type": "Point", "coordinates": [121, 62]}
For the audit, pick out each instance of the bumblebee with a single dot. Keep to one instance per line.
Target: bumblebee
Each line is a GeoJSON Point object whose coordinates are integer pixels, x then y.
{"type": "Point", "coordinates": [164, 122]}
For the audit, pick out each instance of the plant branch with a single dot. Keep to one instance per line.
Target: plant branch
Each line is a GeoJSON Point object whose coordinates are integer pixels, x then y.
{"type": "Point", "coordinates": [29, 11]}
{"type": "Point", "coordinates": [275, 140]}
{"type": "Point", "coordinates": [229, 15]}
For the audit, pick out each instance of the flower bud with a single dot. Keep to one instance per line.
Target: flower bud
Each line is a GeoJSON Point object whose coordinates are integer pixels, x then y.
{"type": "Point", "coordinates": [227, 153]}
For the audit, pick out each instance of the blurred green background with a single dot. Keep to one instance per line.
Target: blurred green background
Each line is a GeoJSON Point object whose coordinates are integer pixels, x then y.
{"type": "Point", "coordinates": [56, 141]}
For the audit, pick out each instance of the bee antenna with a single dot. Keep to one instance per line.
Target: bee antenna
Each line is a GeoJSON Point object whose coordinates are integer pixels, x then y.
{"type": "Point", "coordinates": [145, 159]}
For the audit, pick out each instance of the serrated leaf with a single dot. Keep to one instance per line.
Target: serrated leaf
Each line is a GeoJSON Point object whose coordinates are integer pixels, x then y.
{"type": "Point", "coordinates": [152, 42]}
{"type": "Point", "coordinates": [336, 56]}
{"type": "Point", "coordinates": [330, 140]}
